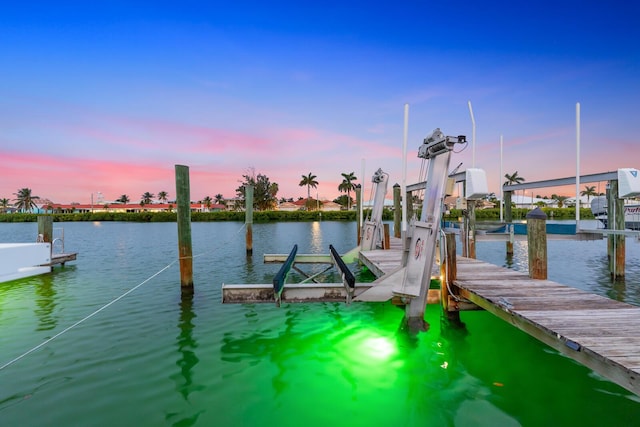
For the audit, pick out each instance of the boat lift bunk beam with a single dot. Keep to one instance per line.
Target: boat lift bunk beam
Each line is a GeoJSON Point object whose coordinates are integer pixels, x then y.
{"type": "Point", "coordinates": [298, 292]}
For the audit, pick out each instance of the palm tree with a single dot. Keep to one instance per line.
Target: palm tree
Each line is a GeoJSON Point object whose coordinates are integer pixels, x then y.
{"type": "Point", "coordinates": [513, 179]}
{"type": "Point", "coordinates": [147, 198]}
{"type": "Point", "coordinates": [4, 205]}
{"type": "Point", "coordinates": [309, 181]}
{"type": "Point", "coordinates": [124, 199]}
{"type": "Point", "coordinates": [24, 200]}
{"type": "Point", "coordinates": [219, 199]}
{"type": "Point", "coordinates": [559, 199]}
{"type": "Point", "coordinates": [207, 201]}
{"type": "Point", "coordinates": [162, 196]}
{"type": "Point", "coordinates": [347, 186]}
{"type": "Point", "coordinates": [589, 191]}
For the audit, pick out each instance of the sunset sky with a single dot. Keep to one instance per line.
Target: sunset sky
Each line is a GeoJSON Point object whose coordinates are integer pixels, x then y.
{"type": "Point", "coordinates": [109, 96]}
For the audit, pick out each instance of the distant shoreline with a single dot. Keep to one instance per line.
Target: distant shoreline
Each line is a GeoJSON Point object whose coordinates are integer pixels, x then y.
{"type": "Point", "coordinates": [274, 216]}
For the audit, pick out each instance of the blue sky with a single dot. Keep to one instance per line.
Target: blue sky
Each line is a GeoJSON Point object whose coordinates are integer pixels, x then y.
{"type": "Point", "coordinates": [109, 96]}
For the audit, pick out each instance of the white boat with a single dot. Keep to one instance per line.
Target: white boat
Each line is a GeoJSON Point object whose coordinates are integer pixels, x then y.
{"type": "Point", "coordinates": [19, 260]}
{"type": "Point", "coordinates": [631, 212]}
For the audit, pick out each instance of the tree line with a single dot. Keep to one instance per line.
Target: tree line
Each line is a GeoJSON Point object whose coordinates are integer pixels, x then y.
{"type": "Point", "coordinates": [265, 193]}
{"type": "Point", "coordinates": [264, 197]}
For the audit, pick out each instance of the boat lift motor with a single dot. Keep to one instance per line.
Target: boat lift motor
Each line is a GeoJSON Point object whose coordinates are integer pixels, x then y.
{"type": "Point", "coordinates": [372, 229]}
{"type": "Point", "coordinates": [414, 288]}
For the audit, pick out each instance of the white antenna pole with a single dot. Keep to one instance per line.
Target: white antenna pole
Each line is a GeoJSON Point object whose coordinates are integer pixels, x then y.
{"type": "Point", "coordinates": [500, 182]}
{"type": "Point", "coordinates": [473, 137]}
{"type": "Point", "coordinates": [577, 166]}
{"type": "Point", "coordinates": [403, 187]}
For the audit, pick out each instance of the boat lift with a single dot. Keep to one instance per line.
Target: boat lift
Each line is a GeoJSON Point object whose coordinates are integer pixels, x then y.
{"type": "Point", "coordinates": [310, 289]}
{"type": "Point", "coordinates": [372, 229]}
{"type": "Point", "coordinates": [415, 274]}
{"type": "Point", "coordinates": [409, 283]}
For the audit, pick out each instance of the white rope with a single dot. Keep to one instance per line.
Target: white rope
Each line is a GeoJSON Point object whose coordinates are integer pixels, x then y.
{"type": "Point", "coordinates": [79, 322]}
{"type": "Point", "coordinates": [84, 319]}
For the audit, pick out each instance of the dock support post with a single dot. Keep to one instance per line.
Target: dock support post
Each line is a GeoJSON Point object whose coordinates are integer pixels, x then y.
{"type": "Point", "coordinates": [387, 239]}
{"type": "Point", "coordinates": [397, 211]}
{"type": "Point", "coordinates": [183, 206]}
{"type": "Point", "coordinates": [471, 236]}
{"type": "Point", "coordinates": [464, 235]}
{"type": "Point", "coordinates": [537, 243]}
{"type": "Point", "coordinates": [248, 217]}
{"type": "Point", "coordinates": [358, 210]}
{"type": "Point", "coordinates": [508, 218]}
{"type": "Point", "coordinates": [615, 221]}
{"type": "Point", "coordinates": [448, 273]}
{"type": "Point", "coordinates": [45, 228]}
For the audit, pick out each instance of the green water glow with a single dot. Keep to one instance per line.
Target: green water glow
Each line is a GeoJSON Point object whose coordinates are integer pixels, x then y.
{"type": "Point", "coordinates": [157, 358]}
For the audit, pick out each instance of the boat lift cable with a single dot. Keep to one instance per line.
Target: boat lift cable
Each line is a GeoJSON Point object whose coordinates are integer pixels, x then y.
{"type": "Point", "coordinates": [84, 319]}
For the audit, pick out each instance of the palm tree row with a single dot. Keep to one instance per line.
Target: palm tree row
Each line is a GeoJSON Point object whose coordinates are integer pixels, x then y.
{"type": "Point", "coordinates": [346, 186]}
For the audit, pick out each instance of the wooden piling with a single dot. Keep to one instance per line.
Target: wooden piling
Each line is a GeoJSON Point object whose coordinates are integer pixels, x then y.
{"type": "Point", "coordinates": [397, 211]}
{"type": "Point", "coordinates": [464, 235]}
{"type": "Point", "coordinates": [387, 238]}
{"type": "Point", "coordinates": [248, 217]}
{"type": "Point", "coordinates": [471, 231]}
{"type": "Point", "coordinates": [537, 243]}
{"type": "Point", "coordinates": [616, 249]}
{"type": "Point", "coordinates": [508, 218]}
{"type": "Point", "coordinates": [449, 272]}
{"type": "Point", "coordinates": [183, 206]}
{"type": "Point", "coordinates": [45, 228]}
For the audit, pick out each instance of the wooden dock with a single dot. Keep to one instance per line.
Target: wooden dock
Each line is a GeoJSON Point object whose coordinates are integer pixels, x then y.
{"type": "Point", "coordinates": [598, 332]}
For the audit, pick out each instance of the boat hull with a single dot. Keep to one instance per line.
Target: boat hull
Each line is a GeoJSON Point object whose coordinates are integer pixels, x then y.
{"type": "Point", "coordinates": [631, 213]}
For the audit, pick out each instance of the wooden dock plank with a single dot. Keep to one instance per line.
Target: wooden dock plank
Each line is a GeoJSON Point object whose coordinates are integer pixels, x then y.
{"type": "Point", "coordinates": [601, 333]}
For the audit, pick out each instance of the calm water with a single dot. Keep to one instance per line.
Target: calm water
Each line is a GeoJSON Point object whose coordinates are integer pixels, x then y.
{"type": "Point", "coordinates": [153, 359]}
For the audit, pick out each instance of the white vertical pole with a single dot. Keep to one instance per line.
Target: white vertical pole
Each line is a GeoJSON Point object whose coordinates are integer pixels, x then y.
{"type": "Point", "coordinates": [362, 193]}
{"type": "Point", "coordinates": [403, 187]}
{"type": "Point", "coordinates": [577, 166]}
{"type": "Point", "coordinates": [473, 137]}
{"type": "Point", "coordinates": [500, 183]}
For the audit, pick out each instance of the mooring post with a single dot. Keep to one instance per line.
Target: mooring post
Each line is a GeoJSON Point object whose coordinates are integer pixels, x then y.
{"type": "Point", "coordinates": [508, 217]}
{"type": "Point", "coordinates": [387, 238]}
{"type": "Point", "coordinates": [358, 190]}
{"type": "Point", "coordinates": [449, 272]}
{"type": "Point", "coordinates": [471, 232]}
{"type": "Point", "coordinates": [537, 243]}
{"type": "Point", "coordinates": [464, 225]}
{"type": "Point", "coordinates": [183, 207]}
{"type": "Point", "coordinates": [248, 217]}
{"type": "Point", "coordinates": [397, 211]}
{"type": "Point", "coordinates": [615, 221]}
{"type": "Point", "coordinates": [45, 229]}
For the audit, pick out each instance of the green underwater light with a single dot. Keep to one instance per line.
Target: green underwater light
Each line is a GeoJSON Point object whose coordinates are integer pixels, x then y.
{"type": "Point", "coordinates": [378, 347]}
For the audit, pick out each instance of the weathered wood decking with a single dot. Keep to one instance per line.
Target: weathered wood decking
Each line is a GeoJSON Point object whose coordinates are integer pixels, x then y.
{"type": "Point", "coordinates": [598, 332]}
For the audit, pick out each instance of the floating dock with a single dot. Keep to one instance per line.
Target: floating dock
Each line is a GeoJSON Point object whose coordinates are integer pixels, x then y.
{"type": "Point", "coordinates": [596, 331]}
